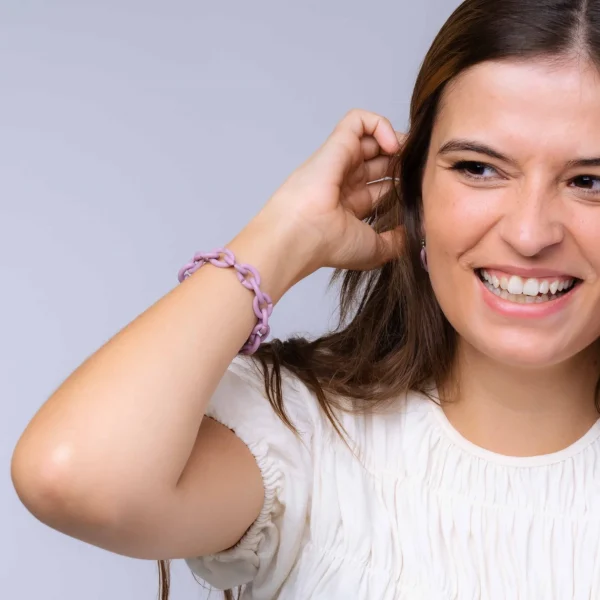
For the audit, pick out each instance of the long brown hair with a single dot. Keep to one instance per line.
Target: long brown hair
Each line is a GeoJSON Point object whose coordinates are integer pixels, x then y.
{"type": "Point", "coordinates": [392, 335]}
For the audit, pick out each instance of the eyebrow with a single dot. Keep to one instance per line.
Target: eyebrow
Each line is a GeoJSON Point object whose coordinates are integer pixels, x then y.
{"type": "Point", "coordinates": [463, 145]}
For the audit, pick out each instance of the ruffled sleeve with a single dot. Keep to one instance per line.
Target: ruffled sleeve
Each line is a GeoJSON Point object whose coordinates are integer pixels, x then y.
{"type": "Point", "coordinates": [265, 555]}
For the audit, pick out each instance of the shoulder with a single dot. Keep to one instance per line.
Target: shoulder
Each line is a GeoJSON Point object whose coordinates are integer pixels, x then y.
{"type": "Point", "coordinates": [241, 401]}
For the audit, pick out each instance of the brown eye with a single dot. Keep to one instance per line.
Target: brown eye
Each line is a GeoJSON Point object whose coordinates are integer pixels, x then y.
{"type": "Point", "coordinates": [586, 183]}
{"type": "Point", "coordinates": [475, 169]}
{"type": "Point", "coordinates": [472, 169]}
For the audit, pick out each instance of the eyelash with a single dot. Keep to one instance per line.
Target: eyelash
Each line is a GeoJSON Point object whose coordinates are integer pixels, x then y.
{"type": "Point", "coordinates": [462, 165]}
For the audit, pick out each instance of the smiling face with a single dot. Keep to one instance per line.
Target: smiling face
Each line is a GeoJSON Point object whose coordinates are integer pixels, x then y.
{"type": "Point", "coordinates": [513, 240]}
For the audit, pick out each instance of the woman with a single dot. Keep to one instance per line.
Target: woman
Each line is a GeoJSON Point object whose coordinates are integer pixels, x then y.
{"type": "Point", "coordinates": [473, 281]}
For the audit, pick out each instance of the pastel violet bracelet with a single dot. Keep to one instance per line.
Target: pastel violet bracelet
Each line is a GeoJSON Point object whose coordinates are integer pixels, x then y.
{"type": "Point", "coordinates": [262, 304]}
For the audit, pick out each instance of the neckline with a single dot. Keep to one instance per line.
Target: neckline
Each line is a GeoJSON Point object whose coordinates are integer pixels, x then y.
{"type": "Point", "coordinates": [458, 439]}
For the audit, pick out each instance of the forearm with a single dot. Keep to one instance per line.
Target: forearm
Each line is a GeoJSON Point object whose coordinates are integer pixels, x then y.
{"type": "Point", "coordinates": [126, 420]}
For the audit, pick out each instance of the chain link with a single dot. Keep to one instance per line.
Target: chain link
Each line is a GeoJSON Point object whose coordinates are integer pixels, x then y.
{"type": "Point", "coordinates": [250, 279]}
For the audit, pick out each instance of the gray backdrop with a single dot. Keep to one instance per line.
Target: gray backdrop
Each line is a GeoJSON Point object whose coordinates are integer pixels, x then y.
{"type": "Point", "coordinates": [132, 134]}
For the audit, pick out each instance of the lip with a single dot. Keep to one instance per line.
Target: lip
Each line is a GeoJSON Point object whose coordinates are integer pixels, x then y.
{"type": "Point", "coordinates": [525, 311]}
{"type": "Point", "coordinates": [528, 272]}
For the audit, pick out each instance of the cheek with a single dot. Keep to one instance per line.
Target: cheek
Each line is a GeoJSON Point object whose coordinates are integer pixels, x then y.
{"type": "Point", "coordinates": [587, 239]}
{"type": "Point", "coordinates": [455, 224]}
{"type": "Point", "coordinates": [456, 217]}
{"type": "Point", "coordinates": [457, 220]}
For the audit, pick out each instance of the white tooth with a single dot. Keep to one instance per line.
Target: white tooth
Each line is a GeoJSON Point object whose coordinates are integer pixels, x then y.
{"type": "Point", "coordinates": [545, 298]}
{"type": "Point", "coordinates": [504, 295]}
{"type": "Point", "coordinates": [520, 299]}
{"type": "Point", "coordinates": [504, 283]}
{"type": "Point", "coordinates": [512, 297]}
{"type": "Point", "coordinates": [531, 287]}
{"type": "Point", "coordinates": [495, 281]}
{"type": "Point", "coordinates": [529, 299]}
{"type": "Point", "coordinates": [515, 285]}
{"type": "Point", "coordinates": [553, 287]}
{"type": "Point", "coordinates": [544, 287]}
{"type": "Point", "coordinates": [539, 299]}
{"type": "Point", "coordinates": [561, 285]}
{"type": "Point", "coordinates": [496, 291]}
{"type": "Point", "coordinates": [485, 275]}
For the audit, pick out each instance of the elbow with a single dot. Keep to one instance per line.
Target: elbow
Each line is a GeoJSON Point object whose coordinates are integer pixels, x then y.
{"type": "Point", "coordinates": [83, 505]}
{"type": "Point", "coordinates": [50, 490]}
{"type": "Point", "coordinates": [37, 481]}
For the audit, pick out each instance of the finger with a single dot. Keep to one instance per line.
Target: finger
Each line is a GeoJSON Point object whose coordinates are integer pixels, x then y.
{"type": "Point", "coordinates": [401, 137]}
{"type": "Point", "coordinates": [362, 123]}
{"type": "Point", "coordinates": [377, 168]}
{"type": "Point", "coordinates": [390, 245]}
{"type": "Point", "coordinates": [377, 191]}
{"type": "Point", "coordinates": [363, 203]}
{"type": "Point", "coordinates": [343, 150]}
{"type": "Point", "coordinates": [370, 147]}
{"type": "Point", "coordinates": [378, 249]}
{"type": "Point", "coordinates": [372, 170]}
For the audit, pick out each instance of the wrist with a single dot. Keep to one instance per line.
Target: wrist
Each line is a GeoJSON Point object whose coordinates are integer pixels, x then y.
{"type": "Point", "coordinates": [278, 252]}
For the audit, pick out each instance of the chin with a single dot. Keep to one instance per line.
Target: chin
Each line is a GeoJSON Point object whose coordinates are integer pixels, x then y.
{"type": "Point", "coordinates": [523, 357]}
{"type": "Point", "coordinates": [523, 349]}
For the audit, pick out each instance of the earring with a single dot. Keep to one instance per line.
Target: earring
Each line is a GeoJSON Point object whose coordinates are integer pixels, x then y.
{"type": "Point", "coordinates": [424, 255]}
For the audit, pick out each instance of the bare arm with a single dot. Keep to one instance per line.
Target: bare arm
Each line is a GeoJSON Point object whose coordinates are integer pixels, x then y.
{"type": "Point", "coordinates": [114, 446]}
{"type": "Point", "coordinates": [120, 455]}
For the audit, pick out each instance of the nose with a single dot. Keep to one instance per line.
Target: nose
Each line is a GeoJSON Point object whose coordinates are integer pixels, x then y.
{"type": "Point", "coordinates": [532, 222]}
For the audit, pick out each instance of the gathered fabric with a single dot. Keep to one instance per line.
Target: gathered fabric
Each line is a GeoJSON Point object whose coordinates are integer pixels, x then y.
{"type": "Point", "coordinates": [408, 510]}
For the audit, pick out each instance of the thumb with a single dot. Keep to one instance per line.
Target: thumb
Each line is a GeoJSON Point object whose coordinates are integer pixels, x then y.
{"type": "Point", "coordinates": [390, 245]}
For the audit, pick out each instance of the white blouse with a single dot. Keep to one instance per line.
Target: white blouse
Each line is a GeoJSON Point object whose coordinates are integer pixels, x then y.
{"type": "Point", "coordinates": [416, 512]}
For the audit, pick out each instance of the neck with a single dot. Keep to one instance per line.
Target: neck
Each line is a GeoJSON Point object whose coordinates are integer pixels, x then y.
{"type": "Point", "coordinates": [522, 411]}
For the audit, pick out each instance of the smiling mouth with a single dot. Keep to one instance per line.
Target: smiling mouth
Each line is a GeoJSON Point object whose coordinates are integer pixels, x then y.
{"type": "Point", "coordinates": [526, 291]}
